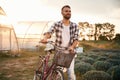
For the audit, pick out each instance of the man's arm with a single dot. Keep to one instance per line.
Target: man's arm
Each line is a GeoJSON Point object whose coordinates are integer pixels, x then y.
{"type": "Point", "coordinates": [46, 37]}
{"type": "Point", "coordinates": [72, 47]}
{"type": "Point", "coordinates": [48, 34]}
{"type": "Point", "coordinates": [75, 42]}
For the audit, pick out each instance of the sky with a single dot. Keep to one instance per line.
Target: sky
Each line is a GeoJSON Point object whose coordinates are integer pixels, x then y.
{"type": "Point", "coordinates": [92, 11]}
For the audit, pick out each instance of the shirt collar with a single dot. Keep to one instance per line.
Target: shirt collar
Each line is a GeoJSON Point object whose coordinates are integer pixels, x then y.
{"type": "Point", "coordinates": [61, 23]}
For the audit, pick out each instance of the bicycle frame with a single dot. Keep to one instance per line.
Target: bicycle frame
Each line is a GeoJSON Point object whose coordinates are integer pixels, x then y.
{"type": "Point", "coordinates": [46, 71]}
{"type": "Point", "coordinates": [46, 68]}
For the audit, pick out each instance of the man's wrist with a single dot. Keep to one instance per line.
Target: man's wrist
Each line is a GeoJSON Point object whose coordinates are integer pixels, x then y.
{"type": "Point", "coordinates": [72, 46]}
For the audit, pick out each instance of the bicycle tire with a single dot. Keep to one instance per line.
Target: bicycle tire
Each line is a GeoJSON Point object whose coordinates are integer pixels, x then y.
{"type": "Point", "coordinates": [56, 75]}
{"type": "Point", "coordinates": [37, 77]}
{"type": "Point", "coordinates": [39, 71]}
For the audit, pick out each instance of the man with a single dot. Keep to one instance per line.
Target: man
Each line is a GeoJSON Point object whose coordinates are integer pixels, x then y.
{"type": "Point", "coordinates": [66, 35]}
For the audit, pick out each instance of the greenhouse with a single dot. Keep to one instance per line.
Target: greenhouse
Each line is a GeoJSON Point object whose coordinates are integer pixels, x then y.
{"type": "Point", "coordinates": [29, 33]}
{"type": "Point", "coordinates": [8, 39]}
{"type": "Point", "coordinates": [24, 35]}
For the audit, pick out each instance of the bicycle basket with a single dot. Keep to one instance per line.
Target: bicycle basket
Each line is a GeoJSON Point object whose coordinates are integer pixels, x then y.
{"type": "Point", "coordinates": [63, 59]}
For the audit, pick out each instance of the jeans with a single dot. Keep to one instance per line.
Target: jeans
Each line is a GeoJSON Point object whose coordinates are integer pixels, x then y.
{"type": "Point", "coordinates": [70, 71]}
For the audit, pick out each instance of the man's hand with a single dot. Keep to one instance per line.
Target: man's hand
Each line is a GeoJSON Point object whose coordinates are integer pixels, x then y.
{"type": "Point", "coordinates": [44, 41]}
{"type": "Point", "coordinates": [46, 37]}
{"type": "Point", "coordinates": [71, 49]}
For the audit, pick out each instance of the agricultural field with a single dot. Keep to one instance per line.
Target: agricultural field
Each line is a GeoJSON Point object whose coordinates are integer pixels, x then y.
{"type": "Point", "coordinates": [99, 61]}
{"type": "Point", "coordinates": [100, 65]}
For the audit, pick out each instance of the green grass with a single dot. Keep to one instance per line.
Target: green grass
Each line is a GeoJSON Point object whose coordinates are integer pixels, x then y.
{"type": "Point", "coordinates": [89, 45]}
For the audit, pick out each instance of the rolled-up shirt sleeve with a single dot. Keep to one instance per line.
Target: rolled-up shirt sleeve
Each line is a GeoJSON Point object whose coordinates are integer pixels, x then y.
{"type": "Point", "coordinates": [76, 33]}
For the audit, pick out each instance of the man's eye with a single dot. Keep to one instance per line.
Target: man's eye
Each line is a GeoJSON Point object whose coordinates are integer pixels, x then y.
{"type": "Point", "coordinates": [67, 11]}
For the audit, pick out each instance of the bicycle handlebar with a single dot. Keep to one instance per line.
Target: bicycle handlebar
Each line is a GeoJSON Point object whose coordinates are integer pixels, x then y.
{"type": "Point", "coordinates": [50, 45]}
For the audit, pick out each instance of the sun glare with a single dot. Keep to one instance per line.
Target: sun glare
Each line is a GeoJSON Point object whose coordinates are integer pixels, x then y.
{"type": "Point", "coordinates": [39, 10]}
{"type": "Point", "coordinates": [15, 9]}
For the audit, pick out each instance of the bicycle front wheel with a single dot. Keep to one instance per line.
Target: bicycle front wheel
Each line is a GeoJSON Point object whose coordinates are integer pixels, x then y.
{"type": "Point", "coordinates": [56, 75]}
{"type": "Point", "coordinates": [39, 70]}
{"type": "Point", "coordinates": [37, 77]}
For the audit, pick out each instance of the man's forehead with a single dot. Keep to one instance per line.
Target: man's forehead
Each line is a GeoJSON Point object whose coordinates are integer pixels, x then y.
{"type": "Point", "coordinates": [66, 8]}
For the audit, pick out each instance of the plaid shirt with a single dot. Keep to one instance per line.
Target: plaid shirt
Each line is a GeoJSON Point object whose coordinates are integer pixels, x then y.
{"type": "Point", "coordinates": [57, 29]}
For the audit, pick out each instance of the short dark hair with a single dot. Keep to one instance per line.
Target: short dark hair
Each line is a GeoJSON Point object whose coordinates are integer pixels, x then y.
{"type": "Point", "coordinates": [65, 7]}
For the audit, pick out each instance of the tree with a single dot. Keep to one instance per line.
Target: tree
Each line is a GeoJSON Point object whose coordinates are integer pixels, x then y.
{"type": "Point", "coordinates": [100, 30]}
{"type": "Point", "coordinates": [117, 38]}
{"type": "Point", "coordinates": [105, 29]}
{"type": "Point", "coordinates": [98, 27]}
{"type": "Point", "coordinates": [108, 30]}
{"type": "Point", "coordinates": [86, 30]}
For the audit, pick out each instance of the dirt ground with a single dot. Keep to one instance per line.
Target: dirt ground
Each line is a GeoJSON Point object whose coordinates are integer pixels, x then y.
{"type": "Point", "coordinates": [18, 69]}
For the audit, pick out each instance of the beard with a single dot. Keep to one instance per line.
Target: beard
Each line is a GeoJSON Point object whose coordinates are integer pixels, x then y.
{"type": "Point", "coordinates": [67, 17]}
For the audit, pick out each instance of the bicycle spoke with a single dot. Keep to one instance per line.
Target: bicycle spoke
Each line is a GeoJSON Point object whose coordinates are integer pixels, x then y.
{"type": "Point", "coordinates": [56, 75]}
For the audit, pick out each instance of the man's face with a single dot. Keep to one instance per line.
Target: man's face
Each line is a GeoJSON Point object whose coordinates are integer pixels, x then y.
{"type": "Point", "coordinates": [66, 12]}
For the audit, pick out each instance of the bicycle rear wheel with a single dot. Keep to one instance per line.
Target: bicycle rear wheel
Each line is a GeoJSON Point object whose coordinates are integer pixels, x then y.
{"type": "Point", "coordinates": [56, 75]}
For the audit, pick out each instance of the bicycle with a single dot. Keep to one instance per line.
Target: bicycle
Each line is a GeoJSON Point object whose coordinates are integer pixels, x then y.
{"type": "Point", "coordinates": [53, 71]}
{"type": "Point", "coordinates": [46, 72]}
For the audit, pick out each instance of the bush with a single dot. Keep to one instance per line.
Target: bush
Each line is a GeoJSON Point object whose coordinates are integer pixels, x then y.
{"type": "Point", "coordinates": [88, 60]}
{"type": "Point", "coordinates": [83, 67]}
{"type": "Point", "coordinates": [103, 54]}
{"type": "Point", "coordinates": [114, 56]}
{"type": "Point", "coordinates": [102, 65]}
{"type": "Point", "coordinates": [114, 62]}
{"type": "Point", "coordinates": [80, 57]}
{"type": "Point", "coordinates": [103, 38]}
{"type": "Point", "coordinates": [94, 56]}
{"type": "Point", "coordinates": [102, 58]}
{"type": "Point", "coordinates": [100, 53]}
{"type": "Point", "coordinates": [96, 75]}
{"type": "Point", "coordinates": [117, 38]}
{"type": "Point", "coordinates": [77, 60]}
{"type": "Point", "coordinates": [114, 72]}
